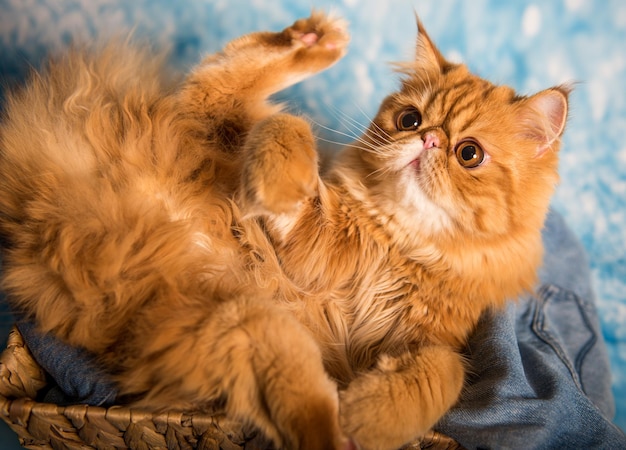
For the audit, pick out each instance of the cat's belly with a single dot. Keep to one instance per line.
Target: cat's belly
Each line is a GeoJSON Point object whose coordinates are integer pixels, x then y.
{"type": "Point", "coordinates": [352, 343]}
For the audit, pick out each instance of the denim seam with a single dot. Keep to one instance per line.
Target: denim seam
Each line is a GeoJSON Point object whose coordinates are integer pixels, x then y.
{"type": "Point", "coordinates": [545, 295]}
{"type": "Point", "coordinates": [585, 349]}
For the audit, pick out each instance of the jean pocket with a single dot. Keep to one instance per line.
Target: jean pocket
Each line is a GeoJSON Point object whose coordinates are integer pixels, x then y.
{"type": "Point", "coordinates": [561, 321]}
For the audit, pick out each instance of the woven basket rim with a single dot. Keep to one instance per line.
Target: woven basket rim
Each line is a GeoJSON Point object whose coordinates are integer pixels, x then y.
{"type": "Point", "coordinates": [47, 425]}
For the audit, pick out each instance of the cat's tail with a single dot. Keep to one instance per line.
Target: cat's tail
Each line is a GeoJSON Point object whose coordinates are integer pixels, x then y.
{"type": "Point", "coordinates": [84, 208]}
{"type": "Point", "coordinates": [79, 111]}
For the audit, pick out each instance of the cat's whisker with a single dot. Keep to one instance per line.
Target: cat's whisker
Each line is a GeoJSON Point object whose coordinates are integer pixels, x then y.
{"type": "Point", "coordinates": [330, 141]}
{"type": "Point", "coordinates": [355, 125]}
{"type": "Point", "coordinates": [380, 136]}
{"type": "Point", "coordinates": [364, 145]}
{"type": "Point", "coordinates": [352, 122]}
{"type": "Point", "coordinates": [333, 130]}
{"type": "Point", "coordinates": [373, 124]}
{"type": "Point", "coordinates": [358, 144]}
{"type": "Point", "coordinates": [380, 171]}
{"type": "Point", "coordinates": [380, 139]}
{"type": "Point", "coordinates": [369, 147]}
{"type": "Point", "coordinates": [371, 174]}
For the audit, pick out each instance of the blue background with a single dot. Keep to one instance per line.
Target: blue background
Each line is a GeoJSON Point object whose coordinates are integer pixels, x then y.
{"type": "Point", "coordinates": [529, 45]}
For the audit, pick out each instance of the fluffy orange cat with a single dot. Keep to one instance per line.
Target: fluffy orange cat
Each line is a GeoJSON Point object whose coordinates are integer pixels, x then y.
{"type": "Point", "coordinates": [182, 233]}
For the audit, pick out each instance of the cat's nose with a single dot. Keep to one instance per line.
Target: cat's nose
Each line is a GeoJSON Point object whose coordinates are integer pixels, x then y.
{"type": "Point", "coordinates": [431, 140]}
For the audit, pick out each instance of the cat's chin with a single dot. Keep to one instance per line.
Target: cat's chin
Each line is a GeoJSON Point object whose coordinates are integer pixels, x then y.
{"type": "Point", "coordinates": [411, 208]}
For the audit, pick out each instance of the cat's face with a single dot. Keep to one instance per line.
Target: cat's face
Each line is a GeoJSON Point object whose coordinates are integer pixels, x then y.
{"type": "Point", "coordinates": [453, 153]}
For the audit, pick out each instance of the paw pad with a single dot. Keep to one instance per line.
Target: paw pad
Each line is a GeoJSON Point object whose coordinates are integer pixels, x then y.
{"type": "Point", "coordinates": [309, 38]}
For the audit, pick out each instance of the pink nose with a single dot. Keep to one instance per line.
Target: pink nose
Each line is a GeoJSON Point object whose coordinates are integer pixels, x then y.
{"type": "Point", "coordinates": [430, 140]}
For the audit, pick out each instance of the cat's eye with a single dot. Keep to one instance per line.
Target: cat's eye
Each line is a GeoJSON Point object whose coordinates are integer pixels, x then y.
{"type": "Point", "coordinates": [469, 153]}
{"type": "Point", "coordinates": [409, 119]}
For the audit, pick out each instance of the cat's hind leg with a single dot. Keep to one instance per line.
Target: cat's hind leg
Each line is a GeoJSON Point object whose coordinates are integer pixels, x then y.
{"type": "Point", "coordinates": [253, 357]}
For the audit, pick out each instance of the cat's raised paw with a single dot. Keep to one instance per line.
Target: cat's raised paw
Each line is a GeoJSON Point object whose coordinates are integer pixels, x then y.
{"type": "Point", "coordinates": [321, 33]}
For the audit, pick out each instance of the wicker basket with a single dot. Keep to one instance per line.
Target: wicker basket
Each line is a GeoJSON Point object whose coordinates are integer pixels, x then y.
{"type": "Point", "coordinates": [48, 426]}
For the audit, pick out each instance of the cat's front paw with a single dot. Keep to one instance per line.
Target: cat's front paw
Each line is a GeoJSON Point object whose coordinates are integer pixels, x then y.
{"type": "Point", "coordinates": [281, 167]}
{"type": "Point", "coordinates": [365, 416]}
{"type": "Point", "coordinates": [402, 398]}
{"type": "Point", "coordinates": [320, 36]}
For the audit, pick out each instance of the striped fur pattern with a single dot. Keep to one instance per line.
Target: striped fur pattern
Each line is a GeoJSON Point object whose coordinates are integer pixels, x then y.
{"type": "Point", "coordinates": [180, 231]}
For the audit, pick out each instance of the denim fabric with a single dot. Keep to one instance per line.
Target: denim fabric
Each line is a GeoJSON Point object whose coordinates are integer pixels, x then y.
{"type": "Point", "coordinates": [539, 374]}
{"type": "Point", "coordinates": [78, 377]}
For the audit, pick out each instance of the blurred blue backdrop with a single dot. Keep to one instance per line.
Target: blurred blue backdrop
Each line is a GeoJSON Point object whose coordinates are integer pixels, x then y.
{"type": "Point", "coordinates": [529, 45]}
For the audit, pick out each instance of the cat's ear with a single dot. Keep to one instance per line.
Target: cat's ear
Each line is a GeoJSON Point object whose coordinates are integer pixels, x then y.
{"type": "Point", "coordinates": [544, 115]}
{"type": "Point", "coordinates": [427, 55]}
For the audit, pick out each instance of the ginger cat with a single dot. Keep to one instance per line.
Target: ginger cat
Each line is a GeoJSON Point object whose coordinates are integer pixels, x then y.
{"type": "Point", "coordinates": [181, 231]}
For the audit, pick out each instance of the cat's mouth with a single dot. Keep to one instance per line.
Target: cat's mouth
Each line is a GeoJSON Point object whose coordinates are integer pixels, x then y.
{"type": "Point", "coordinates": [416, 164]}
{"type": "Point", "coordinates": [412, 159]}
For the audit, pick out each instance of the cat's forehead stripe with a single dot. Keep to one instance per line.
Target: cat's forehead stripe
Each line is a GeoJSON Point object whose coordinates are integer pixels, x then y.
{"type": "Point", "coordinates": [443, 92]}
{"type": "Point", "coordinates": [455, 101]}
{"type": "Point", "coordinates": [463, 113]}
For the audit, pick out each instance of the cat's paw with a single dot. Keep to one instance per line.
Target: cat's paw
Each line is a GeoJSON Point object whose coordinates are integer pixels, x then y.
{"type": "Point", "coordinates": [363, 417]}
{"type": "Point", "coordinates": [263, 63]}
{"type": "Point", "coordinates": [374, 416]}
{"type": "Point", "coordinates": [320, 36]}
{"type": "Point", "coordinates": [402, 398]}
{"type": "Point", "coordinates": [281, 167]}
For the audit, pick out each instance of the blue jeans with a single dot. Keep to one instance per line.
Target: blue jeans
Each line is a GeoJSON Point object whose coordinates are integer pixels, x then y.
{"type": "Point", "coordinates": [539, 375]}
{"type": "Point", "coordinates": [539, 370]}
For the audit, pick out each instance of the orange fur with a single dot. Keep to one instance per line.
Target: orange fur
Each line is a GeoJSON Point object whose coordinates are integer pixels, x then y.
{"type": "Point", "coordinates": [183, 235]}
